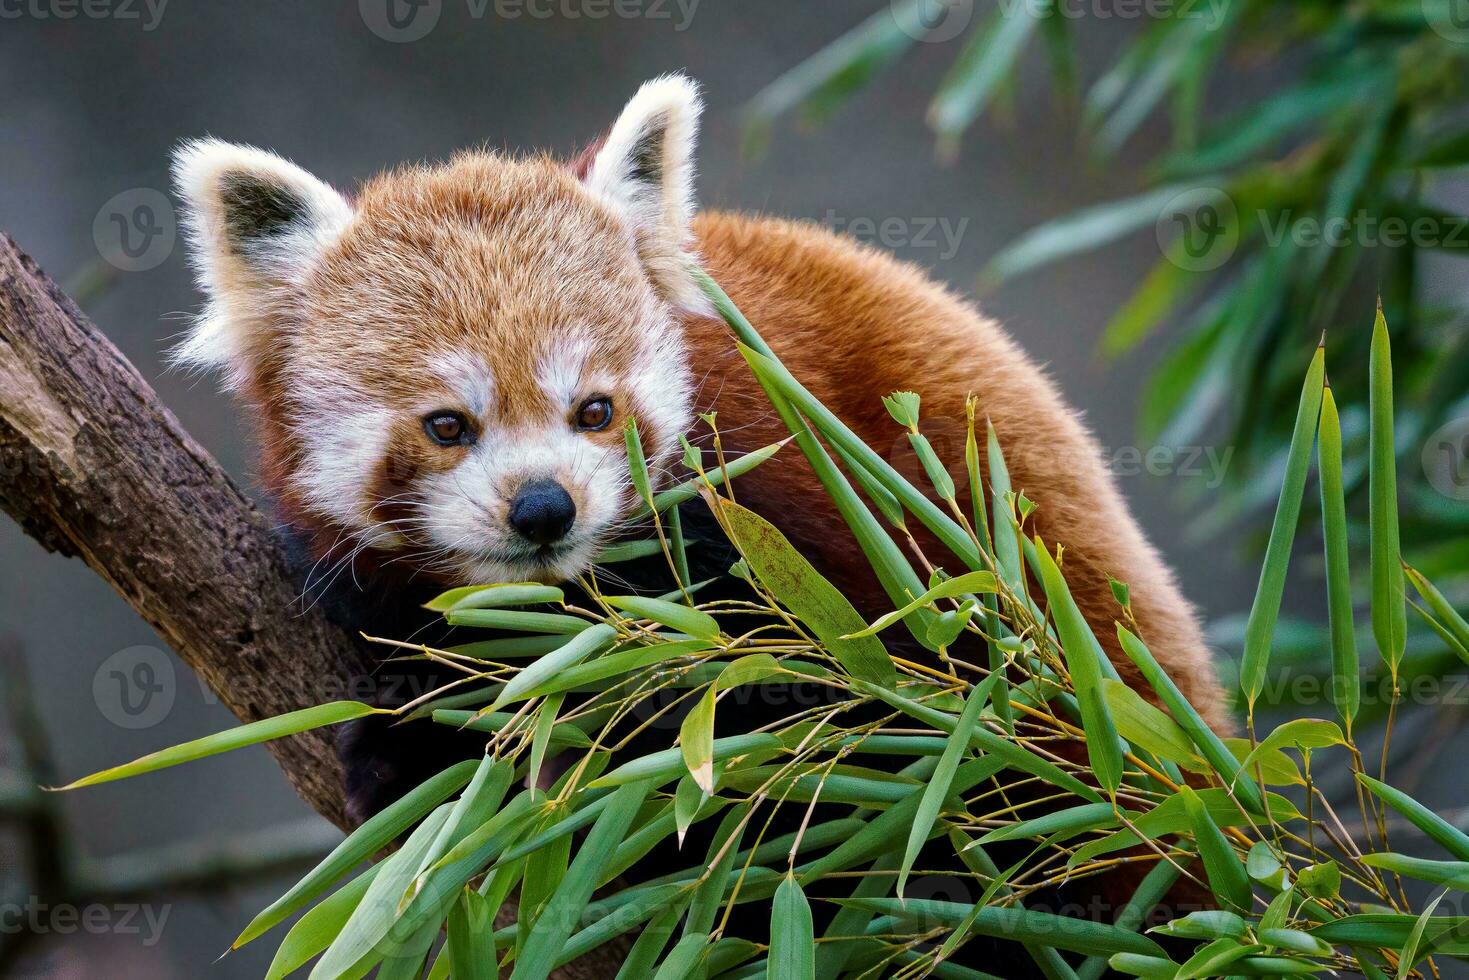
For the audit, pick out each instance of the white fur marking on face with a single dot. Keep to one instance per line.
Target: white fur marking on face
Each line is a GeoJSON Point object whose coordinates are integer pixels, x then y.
{"type": "Point", "coordinates": [664, 384]}
{"type": "Point", "coordinates": [469, 377]}
{"type": "Point", "coordinates": [342, 453]}
{"type": "Point", "coordinates": [567, 374]}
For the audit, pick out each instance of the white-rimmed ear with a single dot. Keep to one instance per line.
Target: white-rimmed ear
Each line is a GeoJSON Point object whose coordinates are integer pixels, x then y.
{"type": "Point", "coordinates": [256, 223]}
{"type": "Point", "coordinates": [646, 170]}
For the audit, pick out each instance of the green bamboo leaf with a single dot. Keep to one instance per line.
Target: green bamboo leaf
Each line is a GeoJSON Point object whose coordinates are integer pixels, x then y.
{"type": "Point", "coordinates": [966, 584]}
{"type": "Point", "coordinates": [1455, 874]}
{"type": "Point", "coordinates": [1147, 967]}
{"type": "Point", "coordinates": [1300, 733]}
{"type": "Point", "coordinates": [637, 464]}
{"type": "Point", "coordinates": [1213, 959]}
{"type": "Point", "coordinates": [803, 590]}
{"type": "Point", "coordinates": [1346, 685]}
{"type": "Point", "coordinates": [1210, 746]}
{"type": "Point", "coordinates": [1060, 825]}
{"type": "Point", "coordinates": [683, 958]}
{"type": "Point", "coordinates": [377, 912]}
{"type": "Point", "coordinates": [667, 764]}
{"type": "Point", "coordinates": [823, 80]}
{"type": "Point", "coordinates": [700, 625]}
{"type": "Point", "coordinates": [943, 776]}
{"type": "Point", "coordinates": [496, 596]}
{"type": "Point", "coordinates": [945, 528]}
{"type": "Point", "coordinates": [593, 639]}
{"type": "Point", "coordinates": [1225, 871]}
{"type": "Point", "coordinates": [1389, 598]}
{"type": "Point", "coordinates": [1080, 231]}
{"type": "Point", "coordinates": [629, 551]}
{"type": "Point", "coordinates": [589, 674]}
{"type": "Point", "coordinates": [471, 943]}
{"type": "Point", "coordinates": [315, 930]}
{"type": "Point", "coordinates": [1413, 948]}
{"type": "Point", "coordinates": [1208, 924]}
{"type": "Point", "coordinates": [891, 566]}
{"type": "Point", "coordinates": [518, 620]}
{"type": "Point", "coordinates": [556, 922]}
{"type": "Point", "coordinates": [291, 723]}
{"type": "Point", "coordinates": [792, 935]}
{"type": "Point", "coordinates": [1023, 925]}
{"type": "Point", "coordinates": [1084, 658]}
{"type": "Point", "coordinates": [717, 477]}
{"type": "Point", "coordinates": [977, 72]}
{"type": "Point", "coordinates": [375, 833]}
{"type": "Point", "coordinates": [1453, 623]}
{"type": "Point", "coordinates": [1445, 834]}
{"type": "Point", "coordinates": [696, 741]}
{"type": "Point", "coordinates": [1266, 608]}
{"type": "Point", "coordinates": [1010, 753]}
{"type": "Point", "coordinates": [709, 895]}
{"type": "Point", "coordinates": [559, 735]}
{"type": "Point", "coordinates": [541, 736]}
{"type": "Point", "coordinates": [1147, 727]}
{"type": "Point", "coordinates": [1294, 940]}
{"type": "Point", "coordinates": [1320, 881]}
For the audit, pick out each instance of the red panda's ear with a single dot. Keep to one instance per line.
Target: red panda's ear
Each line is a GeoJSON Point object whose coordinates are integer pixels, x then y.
{"type": "Point", "coordinates": [256, 223]}
{"type": "Point", "coordinates": [645, 169]}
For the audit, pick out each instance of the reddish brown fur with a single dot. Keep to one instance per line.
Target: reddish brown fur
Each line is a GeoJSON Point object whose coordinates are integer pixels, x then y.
{"type": "Point", "coordinates": [852, 324]}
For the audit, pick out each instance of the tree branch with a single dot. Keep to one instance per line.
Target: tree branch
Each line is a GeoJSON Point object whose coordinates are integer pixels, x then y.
{"type": "Point", "coordinates": [93, 465]}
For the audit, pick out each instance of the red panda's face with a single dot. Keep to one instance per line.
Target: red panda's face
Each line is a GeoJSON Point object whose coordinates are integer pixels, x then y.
{"type": "Point", "coordinates": [444, 367]}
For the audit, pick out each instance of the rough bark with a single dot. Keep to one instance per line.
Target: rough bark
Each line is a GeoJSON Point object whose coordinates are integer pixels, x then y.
{"type": "Point", "coordinates": [92, 465]}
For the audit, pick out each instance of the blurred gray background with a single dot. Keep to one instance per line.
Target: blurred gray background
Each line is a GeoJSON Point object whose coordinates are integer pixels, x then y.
{"type": "Point", "coordinates": [93, 105]}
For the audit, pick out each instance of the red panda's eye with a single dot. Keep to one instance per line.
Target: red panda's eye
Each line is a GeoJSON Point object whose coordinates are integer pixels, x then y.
{"type": "Point", "coordinates": [447, 428]}
{"type": "Point", "coordinates": [594, 414]}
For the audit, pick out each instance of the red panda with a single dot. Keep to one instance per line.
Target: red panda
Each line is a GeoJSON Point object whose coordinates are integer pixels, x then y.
{"type": "Point", "coordinates": [438, 368]}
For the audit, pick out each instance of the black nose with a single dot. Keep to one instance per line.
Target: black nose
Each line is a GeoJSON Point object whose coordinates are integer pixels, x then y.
{"type": "Point", "coordinates": [542, 511]}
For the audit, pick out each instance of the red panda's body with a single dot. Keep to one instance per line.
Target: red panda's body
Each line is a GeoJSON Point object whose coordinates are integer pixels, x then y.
{"type": "Point", "coordinates": [852, 324]}
{"type": "Point", "coordinates": [439, 367]}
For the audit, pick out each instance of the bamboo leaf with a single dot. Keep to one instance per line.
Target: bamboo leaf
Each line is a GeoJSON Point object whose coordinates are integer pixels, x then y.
{"type": "Point", "coordinates": [1145, 726]}
{"type": "Point", "coordinates": [1389, 599]}
{"type": "Point", "coordinates": [1225, 871]}
{"type": "Point", "coordinates": [1445, 834]}
{"type": "Point", "coordinates": [557, 921]}
{"type": "Point", "coordinates": [1210, 746]}
{"type": "Point", "coordinates": [265, 730]}
{"type": "Point", "coordinates": [374, 834]}
{"type": "Point", "coordinates": [696, 741]}
{"type": "Point", "coordinates": [1260, 629]}
{"type": "Point", "coordinates": [700, 625]}
{"type": "Point", "coordinates": [803, 590]}
{"type": "Point", "coordinates": [1346, 686]}
{"type": "Point", "coordinates": [593, 639]}
{"type": "Point", "coordinates": [943, 777]}
{"type": "Point", "coordinates": [1084, 659]}
{"type": "Point", "coordinates": [792, 934]}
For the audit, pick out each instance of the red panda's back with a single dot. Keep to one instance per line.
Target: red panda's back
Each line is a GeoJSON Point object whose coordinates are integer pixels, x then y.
{"type": "Point", "coordinates": [854, 324]}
